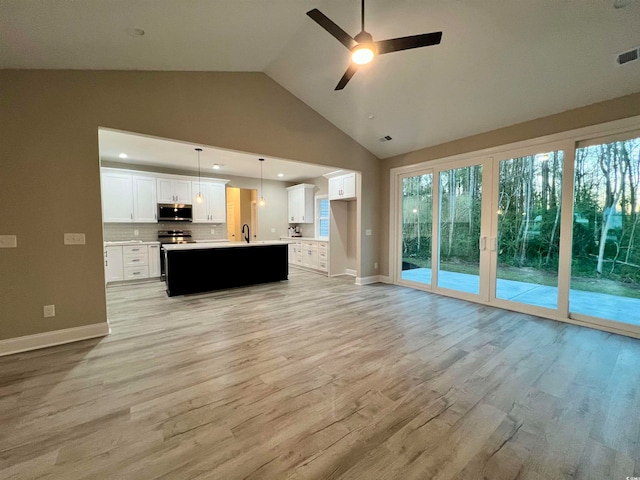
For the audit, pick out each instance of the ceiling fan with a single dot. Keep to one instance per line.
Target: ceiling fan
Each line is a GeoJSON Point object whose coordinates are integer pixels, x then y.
{"type": "Point", "coordinates": [363, 48]}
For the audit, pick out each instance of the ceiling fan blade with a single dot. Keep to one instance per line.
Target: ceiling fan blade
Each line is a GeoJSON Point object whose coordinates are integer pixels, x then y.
{"type": "Point", "coordinates": [406, 43]}
{"type": "Point", "coordinates": [347, 76]}
{"type": "Point", "coordinates": [326, 23]}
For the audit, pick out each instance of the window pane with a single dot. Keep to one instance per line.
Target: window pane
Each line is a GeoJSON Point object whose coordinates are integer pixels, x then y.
{"type": "Point", "coordinates": [324, 228]}
{"type": "Point", "coordinates": [529, 197]}
{"type": "Point", "coordinates": [324, 208]}
{"type": "Point", "coordinates": [605, 270]}
{"type": "Point", "coordinates": [416, 228]}
{"type": "Point", "coordinates": [460, 209]}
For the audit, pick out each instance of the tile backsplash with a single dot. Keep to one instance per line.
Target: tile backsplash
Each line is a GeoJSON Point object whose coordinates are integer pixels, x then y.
{"type": "Point", "coordinates": [148, 232]}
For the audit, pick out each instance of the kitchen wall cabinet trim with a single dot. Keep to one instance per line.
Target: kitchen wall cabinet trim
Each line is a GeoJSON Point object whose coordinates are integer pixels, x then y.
{"type": "Point", "coordinates": [174, 190]}
{"type": "Point", "coordinates": [301, 203]}
{"type": "Point", "coordinates": [117, 197]}
{"type": "Point", "coordinates": [214, 207]}
{"type": "Point", "coordinates": [342, 187]}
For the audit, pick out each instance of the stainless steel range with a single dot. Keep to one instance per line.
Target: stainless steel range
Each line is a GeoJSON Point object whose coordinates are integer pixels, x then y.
{"type": "Point", "coordinates": [172, 237]}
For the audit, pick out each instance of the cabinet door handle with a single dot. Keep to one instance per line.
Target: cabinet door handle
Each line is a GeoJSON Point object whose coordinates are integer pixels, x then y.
{"type": "Point", "coordinates": [135, 260]}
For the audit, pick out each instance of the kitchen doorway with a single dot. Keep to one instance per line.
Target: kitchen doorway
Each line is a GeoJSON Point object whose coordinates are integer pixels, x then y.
{"type": "Point", "coordinates": [241, 209]}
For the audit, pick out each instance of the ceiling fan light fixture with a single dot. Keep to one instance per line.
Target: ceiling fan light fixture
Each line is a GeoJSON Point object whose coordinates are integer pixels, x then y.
{"type": "Point", "coordinates": [363, 54]}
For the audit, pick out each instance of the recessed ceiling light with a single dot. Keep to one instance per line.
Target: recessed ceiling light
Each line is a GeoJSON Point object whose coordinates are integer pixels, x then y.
{"type": "Point", "coordinates": [371, 116]}
{"type": "Point", "coordinates": [281, 174]}
{"type": "Point", "coordinates": [216, 167]}
{"type": "Point", "coordinates": [123, 155]}
{"type": "Point", "coordinates": [135, 31]}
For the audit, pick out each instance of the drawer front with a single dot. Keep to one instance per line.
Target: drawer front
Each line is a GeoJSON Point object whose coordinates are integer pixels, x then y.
{"type": "Point", "coordinates": [322, 246]}
{"type": "Point", "coordinates": [134, 249]}
{"type": "Point", "coordinates": [131, 273]}
{"type": "Point", "coordinates": [322, 256]}
{"type": "Point", "coordinates": [322, 265]}
{"type": "Point", "coordinates": [310, 245]}
{"type": "Point", "coordinates": [136, 259]}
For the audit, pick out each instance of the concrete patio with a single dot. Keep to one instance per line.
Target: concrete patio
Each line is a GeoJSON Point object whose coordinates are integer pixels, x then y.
{"type": "Point", "coordinates": [611, 307]}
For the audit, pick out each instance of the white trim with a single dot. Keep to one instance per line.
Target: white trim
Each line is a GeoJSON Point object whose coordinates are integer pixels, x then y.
{"type": "Point", "coordinates": [385, 279]}
{"type": "Point", "coordinates": [566, 141]}
{"type": "Point", "coordinates": [368, 280]}
{"type": "Point", "coordinates": [350, 271]}
{"type": "Point", "coordinates": [49, 339]}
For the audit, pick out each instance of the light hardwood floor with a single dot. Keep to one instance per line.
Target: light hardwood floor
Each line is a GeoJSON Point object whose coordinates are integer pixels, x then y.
{"type": "Point", "coordinates": [319, 378]}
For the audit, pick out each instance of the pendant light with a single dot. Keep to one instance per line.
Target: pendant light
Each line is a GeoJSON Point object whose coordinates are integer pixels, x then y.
{"type": "Point", "coordinates": [261, 202]}
{"type": "Point", "coordinates": [199, 197]}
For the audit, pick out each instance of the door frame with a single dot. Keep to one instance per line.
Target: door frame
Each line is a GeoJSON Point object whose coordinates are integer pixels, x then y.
{"type": "Point", "coordinates": [568, 141]}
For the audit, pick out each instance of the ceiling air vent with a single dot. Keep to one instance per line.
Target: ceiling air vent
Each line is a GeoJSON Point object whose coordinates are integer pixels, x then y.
{"type": "Point", "coordinates": [386, 138]}
{"type": "Point", "coordinates": [627, 57]}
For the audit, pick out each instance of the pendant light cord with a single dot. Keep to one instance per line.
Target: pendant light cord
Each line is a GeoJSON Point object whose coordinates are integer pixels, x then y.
{"type": "Point", "coordinates": [199, 180]}
{"type": "Point", "coordinates": [363, 15]}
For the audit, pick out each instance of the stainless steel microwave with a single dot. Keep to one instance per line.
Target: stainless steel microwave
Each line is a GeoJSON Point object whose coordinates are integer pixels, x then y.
{"type": "Point", "coordinates": [174, 212]}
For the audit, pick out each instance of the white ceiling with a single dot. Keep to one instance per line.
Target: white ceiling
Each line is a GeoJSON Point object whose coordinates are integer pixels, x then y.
{"type": "Point", "coordinates": [157, 152]}
{"type": "Point", "coordinates": [500, 62]}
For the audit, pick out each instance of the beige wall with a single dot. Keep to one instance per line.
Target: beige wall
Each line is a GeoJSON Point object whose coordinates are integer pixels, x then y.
{"type": "Point", "coordinates": [619, 108]}
{"type": "Point", "coordinates": [49, 168]}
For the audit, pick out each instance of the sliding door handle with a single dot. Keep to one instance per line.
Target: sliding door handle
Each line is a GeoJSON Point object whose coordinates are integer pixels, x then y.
{"type": "Point", "coordinates": [493, 244]}
{"type": "Point", "coordinates": [483, 244]}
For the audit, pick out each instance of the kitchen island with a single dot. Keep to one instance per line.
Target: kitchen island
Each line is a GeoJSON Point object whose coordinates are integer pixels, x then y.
{"type": "Point", "coordinates": [204, 267]}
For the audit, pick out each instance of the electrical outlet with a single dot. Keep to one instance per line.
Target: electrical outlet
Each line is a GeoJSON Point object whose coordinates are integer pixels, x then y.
{"type": "Point", "coordinates": [367, 232]}
{"type": "Point", "coordinates": [49, 311]}
{"type": "Point", "coordinates": [74, 239]}
{"type": "Point", "coordinates": [136, 233]}
{"type": "Point", "coordinates": [8, 241]}
{"type": "Point", "coordinates": [213, 231]}
{"type": "Point", "coordinates": [273, 230]}
{"type": "Point", "coordinates": [375, 265]}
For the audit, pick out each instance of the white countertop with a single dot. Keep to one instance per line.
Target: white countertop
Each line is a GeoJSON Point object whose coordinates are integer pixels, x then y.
{"type": "Point", "coordinates": [204, 246]}
{"type": "Point", "coordinates": [305, 238]}
{"type": "Point", "coordinates": [131, 242]}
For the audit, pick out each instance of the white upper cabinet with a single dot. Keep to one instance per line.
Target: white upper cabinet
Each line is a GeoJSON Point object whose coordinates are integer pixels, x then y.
{"type": "Point", "coordinates": [172, 190]}
{"type": "Point", "coordinates": [128, 198]}
{"type": "Point", "coordinates": [301, 203]}
{"type": "Point", "coordinates": [117, 197]}
{"type": "Point", "coordinates": [145, 205]}
{"type": "Point", "coordinates": [214, 207]}
{"type": "Point", "coordinates": [342, 187]}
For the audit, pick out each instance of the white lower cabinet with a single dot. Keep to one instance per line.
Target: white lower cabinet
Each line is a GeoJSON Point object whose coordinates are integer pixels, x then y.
{"type": "Point", "coordinates": [113, 266]}
{"type": "Point", "coordinates": [309, 254]}
{"type": "Point", "coordinates": [131, 262]}
{"type": "Point", "coordinates": [154, 261]}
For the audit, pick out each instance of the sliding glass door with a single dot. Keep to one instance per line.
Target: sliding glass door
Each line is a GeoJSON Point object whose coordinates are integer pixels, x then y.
{"type": "Point", "coordinates": [416, 214]}
{"type": "Point", "coordinates": [605, 272]}
{"type": "Point", "coordinates": [527, 216]}
{"type": "Point", "coordinates": [459, 225]}
{"type": "Point", "coordinates": [549, 230]}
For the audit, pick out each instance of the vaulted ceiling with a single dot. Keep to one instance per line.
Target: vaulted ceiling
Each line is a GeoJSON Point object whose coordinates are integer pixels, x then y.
{"type": "Point", "coordinates": [500, 62]}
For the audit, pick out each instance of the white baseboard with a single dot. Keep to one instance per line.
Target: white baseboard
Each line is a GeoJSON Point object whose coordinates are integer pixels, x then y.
{"type": "Point", "coordinates": [385, 279]}
{"type": "Point", "coordinates": [49, 339]}
{"type": "Point", "coordinates": [348, 271]}
{"type": "Point", "coordinates": [368, 280]}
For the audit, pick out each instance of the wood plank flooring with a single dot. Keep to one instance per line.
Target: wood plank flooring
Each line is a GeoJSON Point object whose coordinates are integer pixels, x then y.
{"type": "Point", "coordinates": [317, 378]}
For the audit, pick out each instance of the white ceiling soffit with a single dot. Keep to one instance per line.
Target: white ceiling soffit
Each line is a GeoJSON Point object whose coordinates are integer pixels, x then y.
{"type": "Point", "coordinates": [157, 152]}
{"type": "Point", "coordinates": [500, 62]}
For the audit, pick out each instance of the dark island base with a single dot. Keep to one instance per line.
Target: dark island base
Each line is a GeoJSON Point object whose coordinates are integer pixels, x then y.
{"type": "Point", "coordinates": [204, 270]}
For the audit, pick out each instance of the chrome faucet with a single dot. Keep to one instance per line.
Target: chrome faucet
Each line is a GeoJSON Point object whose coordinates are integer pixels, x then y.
{"type": "Point", "coordinates": [246, 235]}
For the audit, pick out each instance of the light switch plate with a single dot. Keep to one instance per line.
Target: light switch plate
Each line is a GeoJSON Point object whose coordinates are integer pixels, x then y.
{"type": "Point", "coordinates": [367, 232]}
{"type": "Point", "coordinates": [8, 241]}
{"type": "Point", "coordinates": [74, 239]}
{"type": "Point", "coordinates": [49, 311]}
